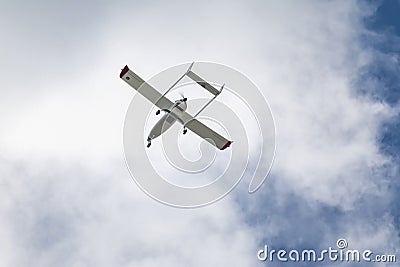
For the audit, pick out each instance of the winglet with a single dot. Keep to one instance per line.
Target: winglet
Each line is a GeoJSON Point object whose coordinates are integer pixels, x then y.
{"type": "Point", "coordinates": [124, 71]}
{"type": "Point", "coordinates": [227, 145]}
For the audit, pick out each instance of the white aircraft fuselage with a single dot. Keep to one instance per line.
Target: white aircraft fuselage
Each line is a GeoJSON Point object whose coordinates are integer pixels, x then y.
{"type": "Point", "coordinates": [166, 121]}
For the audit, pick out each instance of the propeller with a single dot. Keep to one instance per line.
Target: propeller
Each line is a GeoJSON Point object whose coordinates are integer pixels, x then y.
{"type": "Point", "coordinates": [184, 99]}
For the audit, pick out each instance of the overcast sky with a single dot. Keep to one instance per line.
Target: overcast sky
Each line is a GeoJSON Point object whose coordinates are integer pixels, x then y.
{"type": "Point", "coordinates": [329, 70]}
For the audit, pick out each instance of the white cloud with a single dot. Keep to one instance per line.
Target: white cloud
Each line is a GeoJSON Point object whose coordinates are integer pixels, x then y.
{"type": "Point", "coordinates": [66, 216]}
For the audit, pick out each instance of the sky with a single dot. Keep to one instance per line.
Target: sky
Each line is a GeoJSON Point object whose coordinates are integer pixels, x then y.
{"type": "Point", "coordinates": [329, 70]}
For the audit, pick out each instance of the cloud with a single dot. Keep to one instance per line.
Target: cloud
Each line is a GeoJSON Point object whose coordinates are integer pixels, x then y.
{"type": "Point", "coordinates": [67, 216]}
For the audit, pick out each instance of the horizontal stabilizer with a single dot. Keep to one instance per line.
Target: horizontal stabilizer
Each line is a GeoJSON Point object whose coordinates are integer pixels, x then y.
{"type": "Point", "coordinates": [202, 82]}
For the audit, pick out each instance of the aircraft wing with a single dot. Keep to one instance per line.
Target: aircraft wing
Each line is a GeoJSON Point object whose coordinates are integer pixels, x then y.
{"type": "Point", "coordinates": [201, 129]}
{"type": "Point", "coordinates": [145, 89]}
